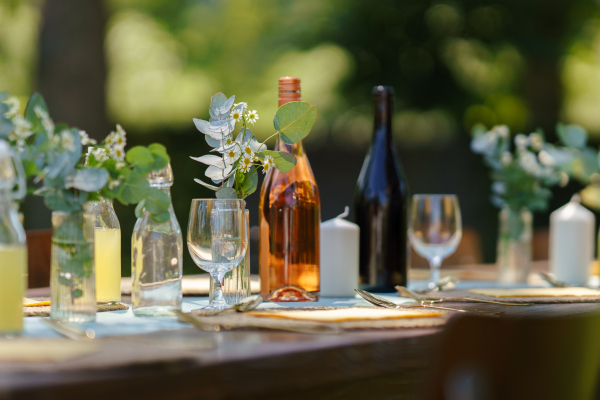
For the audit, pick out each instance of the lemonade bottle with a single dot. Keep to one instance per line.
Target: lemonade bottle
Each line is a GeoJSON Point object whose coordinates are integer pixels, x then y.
{"type": "Point", "coordinates": [13, 248]}
{"type": "Point", "coordinates": [107, 252]}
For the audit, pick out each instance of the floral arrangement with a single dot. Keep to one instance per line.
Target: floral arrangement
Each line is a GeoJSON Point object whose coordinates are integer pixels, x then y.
{"type": "Point", "coordinates": [52, 154]}
{"type": "Point", "coordinates": [522, 177]}
{"type": "Point", "coordinates": [236, 167]}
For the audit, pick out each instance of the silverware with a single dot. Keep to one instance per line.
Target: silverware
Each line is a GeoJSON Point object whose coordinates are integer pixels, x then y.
{"type": "Point", "coordinates": [552, 280]}
{"type": "Point", "coordinates": [307, 327]}
{"type": "Point", "coordinates": [446, 283]}
{"type": "Point", "coordinates": [70, 331]}
{"type": "Point", "coordinates": [246, 304]}
{"type": "Point", "coordinates": [409, 293]}
{"type": "Point", "coordinates": [381, 302]}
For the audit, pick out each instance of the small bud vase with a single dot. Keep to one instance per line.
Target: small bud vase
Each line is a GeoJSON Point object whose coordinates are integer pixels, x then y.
{"type": "Point", "coordinates": [514, 245]}
{"type": "Point", "coordinates": [236, 284]}
{"type": "Point", "coordinates": [72, 281]}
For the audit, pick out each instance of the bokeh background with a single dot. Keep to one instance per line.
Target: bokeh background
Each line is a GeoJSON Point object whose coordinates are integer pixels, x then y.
{"type": "Point", "coordinates": [152, 65]}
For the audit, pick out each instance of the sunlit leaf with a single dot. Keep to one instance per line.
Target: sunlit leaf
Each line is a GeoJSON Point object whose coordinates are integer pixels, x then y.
{"type": "Point", "coordinates": [294, 121]}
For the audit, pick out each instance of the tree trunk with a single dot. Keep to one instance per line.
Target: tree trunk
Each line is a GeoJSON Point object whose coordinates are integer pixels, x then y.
{"type": "Point", "coordinates": [72, 70]}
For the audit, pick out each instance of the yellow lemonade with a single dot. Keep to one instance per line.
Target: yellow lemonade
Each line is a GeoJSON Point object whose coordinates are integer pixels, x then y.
{"type": "Point", "coordinates": [13, 269]}
{"type": "Point", "coordinates": [107, 257]}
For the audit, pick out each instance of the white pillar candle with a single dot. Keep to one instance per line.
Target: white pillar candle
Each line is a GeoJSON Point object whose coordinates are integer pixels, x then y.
{"type": "Point", "coordinates": [339, 257]}
{"type": "Point", "coordinates": [572, 242]}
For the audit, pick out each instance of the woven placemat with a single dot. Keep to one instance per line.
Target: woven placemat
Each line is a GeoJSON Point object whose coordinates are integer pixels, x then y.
{"type": "Point", "coordinates": [237, 320]}
{"type": "Point", "coordinates": [44, 311]}
{"type": "Point", "coordinates": [537, 300]}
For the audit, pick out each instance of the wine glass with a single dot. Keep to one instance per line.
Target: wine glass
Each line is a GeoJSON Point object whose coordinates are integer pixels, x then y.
{"type": "Point", "coordinates": [435, 229]}
{"type": "Point", "coordinates": [217, 239]}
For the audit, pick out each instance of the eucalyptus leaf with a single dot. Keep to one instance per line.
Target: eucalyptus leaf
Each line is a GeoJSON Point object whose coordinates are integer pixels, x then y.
{"type": "Point", "coordinates": [6, 127]}
{"type": "Point", "coordinates": [294, 121]}
{"type": "Point", "coordinates": [220, 104]}
{"type": "Point", "coordinates": [211, 187]}
{"type": "Point", "coordinates": [572, 135]}
{"type": "Point", "coordinates": [284, 162]}
{"type": "Point", "coordinates": [211, 160]}
{"type": "Point", "coordinates": [140, 157]}
{"type": "Point", "coordinates": [134, 189]}
{"type": "Point", "coordinates": [77, 293]}
{"type": "Point", "coordinates": [218, 174]}
{"type": "Point", "coordinates": [88, 179]}
{"type": "Point", "coordinates": [64, 200]}
{"type": "Point", "coordinates": [160, 155]}
{"type": "Point", "coordinates": [250, 182]}
{"type": "Point", "coordinates": [227, 193]}
{"type": "Point", "coordinates": [160, 218]}
{"type": "Point", "coordinates": [36, 100]}
{"type": "Point", "coordinates": [157, 201]}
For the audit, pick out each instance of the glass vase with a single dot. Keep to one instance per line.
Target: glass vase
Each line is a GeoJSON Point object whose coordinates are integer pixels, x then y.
{"type": "Point", "coordinates": [72, 281]}
{"type": "Point", "coordinates": [514, 245]}
{"type": "Point", "coordinates": [236, 285]}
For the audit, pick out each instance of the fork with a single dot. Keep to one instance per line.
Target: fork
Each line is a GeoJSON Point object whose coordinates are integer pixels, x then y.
{"type": "Point", "coordinates": [381, 302]}
{"type": "Point", "coordinates": [415, 296]}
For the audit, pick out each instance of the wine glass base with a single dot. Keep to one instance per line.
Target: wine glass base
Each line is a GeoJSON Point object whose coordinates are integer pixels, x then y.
{"type": "Point", "coordinates": [211, 306]}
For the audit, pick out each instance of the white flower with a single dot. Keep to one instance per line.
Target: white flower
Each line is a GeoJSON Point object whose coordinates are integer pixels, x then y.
{"type": "Point", "coordinates": [521, 141]}
{"type": "Point", "coordinates": [246, 163]}
{"type": "Point", "coordinates": [248, 143]}
{"type": "Point", "coordinates": [100, 154]}
{"type": "Point", "coordinates": [231, 155]}
{"type": "Point", "coordinates": [546, 158]}
{"type": "Point", "coordinates": [47, 122]}
{"type": "Point", "coordinates": [13, 107]}
{"type": "Point", "coordinates": [85, 139]}
{"type": "Point", "coordinates": [502, 131]}
{"type": "Point", "coordinates": [537, 143]}
{"type": "Point", "coordinates": [268, 163]}
{"type": "Point", "coordinates": [528, 162]}
{"type": "Point", "coordinates": [66, 140]}
{"type": "Point", "coordinates": [252, 116]}
{"type": "Point", "coordinates": [117, 153]}
{"type": "Point", "coordinates": [120, 164]}
{"type": "Point", "coordinates": [238, 112]}
{"type": "Point", "coordinates": [506, 158]}
{"type": "Point", "coordinates": [113, 183]}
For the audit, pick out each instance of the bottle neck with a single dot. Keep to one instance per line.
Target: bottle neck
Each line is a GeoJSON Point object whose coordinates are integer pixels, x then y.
{"type": "Point", "coordinates": [287, 96]}
{"type": "Point", "coordinates": [383, 111]}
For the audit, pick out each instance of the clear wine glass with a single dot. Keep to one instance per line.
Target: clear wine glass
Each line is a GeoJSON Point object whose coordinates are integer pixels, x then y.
{"type": "Point", "coordinates": [435, 229]}
{"type": "Point", "coordinates": [217, 239]}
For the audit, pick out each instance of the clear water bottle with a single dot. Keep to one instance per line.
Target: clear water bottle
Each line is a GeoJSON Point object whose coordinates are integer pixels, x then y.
{"type": "Point", "coordinates": [13, 248]}
{"type": "Point", "coordinates": [156, 258]}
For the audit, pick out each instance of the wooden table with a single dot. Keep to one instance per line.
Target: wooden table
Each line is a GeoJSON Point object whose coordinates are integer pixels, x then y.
{"type": "Point", "coordinates": [254, 365]}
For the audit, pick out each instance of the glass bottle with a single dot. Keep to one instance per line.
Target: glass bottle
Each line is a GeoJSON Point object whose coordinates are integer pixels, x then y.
{"type": "Point", "coordinates": [380, 205]}
{"type": "Point", "coordinates": [107, 252]}
{"type": "Point", "coordinates": [289, 222]}
{"type": "Point", "coordinates": [13, 248]}
{"type": "Point", "coordinates": [72, 280]}
{"type": "Point", "coordinates": [156, 258]}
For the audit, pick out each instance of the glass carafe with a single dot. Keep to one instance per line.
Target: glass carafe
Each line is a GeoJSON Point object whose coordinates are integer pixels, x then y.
{"type": "Point", "coordinates": [13, 248]}
{"type": "Point", "coordinates": [156, 258]}
{"type": "Point", "coordinates": [107, 252]}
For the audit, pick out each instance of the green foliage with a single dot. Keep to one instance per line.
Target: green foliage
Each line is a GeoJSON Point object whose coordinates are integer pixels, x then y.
{"type": "Point", "coordinates": [572, 135]}
{"type": "Point", "coordinates": [294, 121]}
{"type": "Point", "coordinates": [284, 162]}
{"type": "Point", "coordinates": [236, 168]}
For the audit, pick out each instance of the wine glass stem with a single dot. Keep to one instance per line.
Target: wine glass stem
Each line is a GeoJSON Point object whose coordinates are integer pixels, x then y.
{"type": "Point", "coordinates": [218, 298]}
{"type": "Point", "coordinates": [434, 267]}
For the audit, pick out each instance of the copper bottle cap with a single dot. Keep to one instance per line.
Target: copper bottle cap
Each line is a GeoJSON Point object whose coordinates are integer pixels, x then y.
{"type": "Point", "coordinates": [289, 90]}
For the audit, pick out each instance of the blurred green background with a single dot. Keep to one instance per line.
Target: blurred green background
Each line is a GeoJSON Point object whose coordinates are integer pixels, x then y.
{"type": "Point", "coordinates": [152, 65]}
